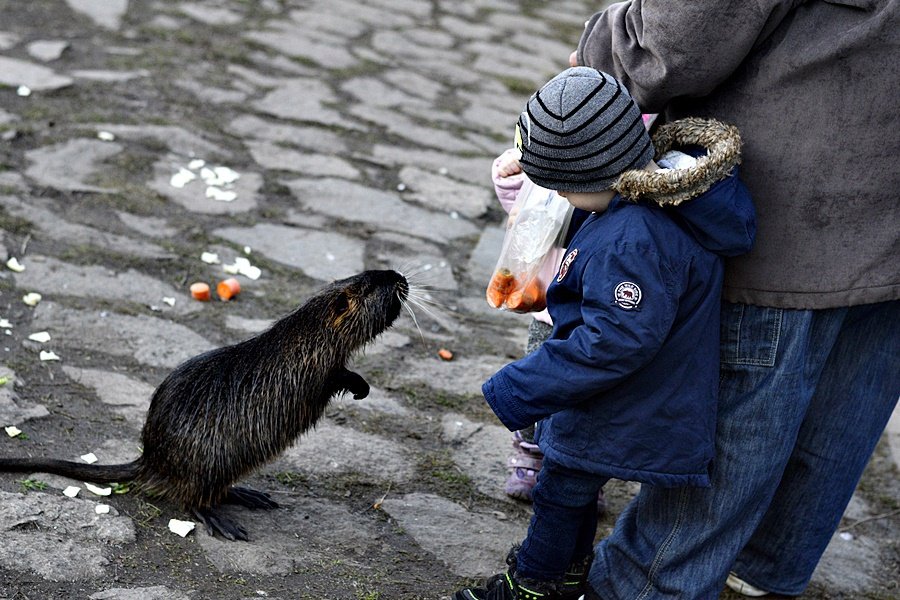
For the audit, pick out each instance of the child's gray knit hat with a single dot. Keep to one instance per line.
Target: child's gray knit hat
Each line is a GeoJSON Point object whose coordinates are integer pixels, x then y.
{"type": "Point", "coordinates": [580, 131]}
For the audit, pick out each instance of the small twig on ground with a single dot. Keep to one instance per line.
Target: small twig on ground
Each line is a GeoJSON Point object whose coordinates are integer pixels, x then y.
{"type": "Point", "coordinates": [867, 519]}
{"type": "Point", "coordinates": [378, 504]}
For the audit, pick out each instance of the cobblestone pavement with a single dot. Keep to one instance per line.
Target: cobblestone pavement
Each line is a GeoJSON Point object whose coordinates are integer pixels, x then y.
{"type": "Point", "coordinates": [309, 139]}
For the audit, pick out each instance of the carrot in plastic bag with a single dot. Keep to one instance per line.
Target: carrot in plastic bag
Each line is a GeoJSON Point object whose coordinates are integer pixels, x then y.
{"type": "Point", "coordinates": [501, 284]}
{"type": "Point", "coordinates": [529, 298]}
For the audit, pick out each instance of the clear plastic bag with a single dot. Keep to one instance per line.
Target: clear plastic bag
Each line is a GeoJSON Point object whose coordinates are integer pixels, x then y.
{"type": "Point", "coordinates": [538, 229]}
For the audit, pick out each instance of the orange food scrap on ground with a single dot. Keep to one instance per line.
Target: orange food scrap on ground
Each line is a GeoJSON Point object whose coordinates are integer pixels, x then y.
{"type": "Point", "coordinates": [445, 354]}
{"type": "Point", "coordinates": [228, 288]}
{"type": "Point", "coordinates": [501, 284]}
{"type": "Point", "coordinates": [200, 291]}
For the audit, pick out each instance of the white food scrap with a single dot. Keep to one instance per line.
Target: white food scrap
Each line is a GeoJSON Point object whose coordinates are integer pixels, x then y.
{"type": "Point", "coordinates": [14, 265]}
{"type": "Point", "coordinates": [41, 336]}
{"type": "Point", "coordinates": [221, 195]}
{"type": "Point", "coordinates": [182, 178]}
{"type": "Point", "coordinates": [210, 258]}
{"type": "Point", "coordinates": [98, 490]}
{"type": "Point", "coordinates": [102, 509]}
{"type": "Point", "coordinates": [71, 491]}
{"type": "Point", "coordinates": [181, 528]}
{"type": "Point", "coordinates": [48, 355]}
{"type": "Point", "coordinates": [31, 298]}
{"type": "Point", "coordinates": [23, 90]}
{"type": "Point", "coordinates": [12, 431]}
{"type": "Point", "coordinates": [106, 136]}
{"type": "Point", "coordinates": [169, 300]}
{"type": "Point", "coordinates": [90, 458]}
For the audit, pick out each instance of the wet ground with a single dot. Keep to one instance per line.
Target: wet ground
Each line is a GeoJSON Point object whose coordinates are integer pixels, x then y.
{"type": "Point", "coordinates": [299, 142]}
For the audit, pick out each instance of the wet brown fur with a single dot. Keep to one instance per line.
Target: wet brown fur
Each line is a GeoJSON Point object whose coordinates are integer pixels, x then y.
{"type": "Point", "coordinates": [221, 415]}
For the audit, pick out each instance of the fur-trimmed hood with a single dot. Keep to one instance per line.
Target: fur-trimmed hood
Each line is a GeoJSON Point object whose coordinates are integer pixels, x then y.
{"type": "Point", "coordinates": [707, 198]}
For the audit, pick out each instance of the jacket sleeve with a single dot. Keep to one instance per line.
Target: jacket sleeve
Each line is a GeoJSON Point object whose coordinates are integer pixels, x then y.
{"type": "Point", "coordinates": [611, 344]}
{"type": "Point", "coordinates": [663, 49]}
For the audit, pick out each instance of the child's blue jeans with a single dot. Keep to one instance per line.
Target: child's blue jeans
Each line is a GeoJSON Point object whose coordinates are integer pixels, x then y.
{"type": "Point", "coordinates": [804, 396]}
{"type": "Point", "coordinates": [564, 522]}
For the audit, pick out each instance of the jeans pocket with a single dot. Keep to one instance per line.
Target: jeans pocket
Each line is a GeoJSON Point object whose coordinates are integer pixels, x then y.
{"type": "Point", "coordinates": [750, 334]}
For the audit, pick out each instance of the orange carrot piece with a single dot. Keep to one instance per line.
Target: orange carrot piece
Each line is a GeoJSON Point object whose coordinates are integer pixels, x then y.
{"type": "Point", "coordinates": [200, 291]}
{"type": "Point", "coordinates": [445, 354]}
{"type": "Point", "coordinates": [228, 288]}
{"type": "Point", "coordinates": [501, 284]}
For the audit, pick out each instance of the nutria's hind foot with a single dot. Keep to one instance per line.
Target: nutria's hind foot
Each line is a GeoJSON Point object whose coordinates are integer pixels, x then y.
{"type": "Point", "coordinates": [216, 523]}
{"type": "Point", "coordinates": [250, 498]}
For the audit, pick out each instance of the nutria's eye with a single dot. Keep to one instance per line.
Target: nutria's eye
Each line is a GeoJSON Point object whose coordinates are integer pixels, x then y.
{"type": "Point", "coordinates": [341, 304]}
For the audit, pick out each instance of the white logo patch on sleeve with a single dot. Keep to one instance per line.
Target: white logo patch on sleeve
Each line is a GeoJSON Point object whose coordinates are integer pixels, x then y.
{"type": "Point", "coordinates": [627, 295]}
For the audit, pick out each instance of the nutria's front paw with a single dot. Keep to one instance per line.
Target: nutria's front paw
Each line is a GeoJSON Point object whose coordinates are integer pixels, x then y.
{"type": "Point", "coordinates": [355, 384]}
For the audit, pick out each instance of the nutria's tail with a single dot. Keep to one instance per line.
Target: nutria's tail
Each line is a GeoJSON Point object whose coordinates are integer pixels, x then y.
{"type": "Point", "coordinates": [73, 470]}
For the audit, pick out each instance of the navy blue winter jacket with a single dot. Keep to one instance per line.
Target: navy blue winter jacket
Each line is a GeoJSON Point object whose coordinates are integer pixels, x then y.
{"type": "Point", "coordinates": [626, 386]}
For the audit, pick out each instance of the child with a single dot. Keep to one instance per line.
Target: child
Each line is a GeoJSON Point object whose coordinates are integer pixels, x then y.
{"type": "Point", "coordinates": [625, 386]}
{"type": "Point", "coordinates": [523, 466]}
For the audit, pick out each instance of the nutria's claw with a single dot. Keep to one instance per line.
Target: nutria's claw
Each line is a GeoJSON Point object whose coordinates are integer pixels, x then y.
{"type": "Point", "coordinates": [249, 497]}
{"type": "Point", "coordinates": [216, 523]}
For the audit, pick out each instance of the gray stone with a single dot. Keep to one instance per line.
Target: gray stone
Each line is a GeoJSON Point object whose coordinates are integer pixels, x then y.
{"type": "Point", "coordinates": [437, 191]}
{"type": "Point", "coordinates": [425, 265]}
{"type": "Point", "coordinates": [358, 203]}
{"type": "Point", "coordinates": [88, 332]}
{"type": "Point", "coordinates": [330, 449]}
{"type": "Point", "coordinates": [106, 13]}
{"type": "Point", "coordinates": [71, 537]}
{"type": "Point", "coordinates": [304, 533]}
{"type": "Point", "coordinates": [423, 135]}
{"type": "Point", "coordinates": [65, 166]}
{"type": "Point", "coordinates": [320, 254]}
{"type": "Point", "coordinates": [156, 592]}
{"type": "Point", "coordinates": [849, 566]}
{"type": "Point", "coordinates": [458, 167]}
{"type": "Point", "coordinates": [302, 99]}
{"type": "Point", "coordinates": [304, 42]}
{"type": "Point", "coordinates": [9, 39]}
{"type": "Point", "coordinates": [472, 545]}
{"type": "Point", "coordinates": [271, 156]}
{"type": "Point", "coordinates": [211, 94]}
{"type": "Point", "coordinates": [15, 72]}
{"type": "Point", "coordinates": [177, 139]}
{"type": "Point", "coordinates": [104, 76]}
{"type": "Point", "coordinates": [480, 450]}
{"type": "Point", "coordinates": [149, 226]}
{"type": "Point", "coordinates": [350, 19]}
{"type": "Point", "coordinates": [374, 92]}
{"type": "Point", "coordinates": [416, 84]}
{"type": "Point", "coordinates": [376, 402]}
{"type": "Point", "coordinates": [483, 258]}
{"type": "Point", "coordinates": [45, 219]}
{"type": "Point", "coordinates": [14, 410]}
{"type": "Point", "coordinates": [400, 46]}
{"type": "Point", "coordinates": [50, 276]}
{"type": "Point", "coordinates": [47, 50]}
{"type": "Point", "coordinates": [127, 397]}
{"type": "Point", "coordinates": [6, 117]}
{"type": "Point", "coordinates": [462, 375]}
{"type": "Point", "coordinates": [211, 15]}
{"type": "Point", "coordinates": [253, 326]}
{"type": "Point", "coordinates": [466, 29]}
{"type": "Point", "coordinates": [193, 196]}
{"type": "Point", "coordinates": [313, 138]}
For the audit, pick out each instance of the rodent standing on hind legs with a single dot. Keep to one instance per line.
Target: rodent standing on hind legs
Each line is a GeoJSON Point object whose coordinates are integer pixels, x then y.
{"type": "Point", "coordinates": [221, 415]}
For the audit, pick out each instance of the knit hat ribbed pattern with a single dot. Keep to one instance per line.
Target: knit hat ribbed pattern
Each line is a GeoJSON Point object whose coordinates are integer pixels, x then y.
{"type": "Point", "coordinates": [580, 131]}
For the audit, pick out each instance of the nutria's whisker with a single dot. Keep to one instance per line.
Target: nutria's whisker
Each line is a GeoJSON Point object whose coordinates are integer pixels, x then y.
{"type": "Point", "coordinates": [412, 314]}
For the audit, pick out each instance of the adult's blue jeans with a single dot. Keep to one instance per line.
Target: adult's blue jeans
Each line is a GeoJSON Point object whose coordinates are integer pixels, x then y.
{"type": "Point", "coordinates": [804, 396]}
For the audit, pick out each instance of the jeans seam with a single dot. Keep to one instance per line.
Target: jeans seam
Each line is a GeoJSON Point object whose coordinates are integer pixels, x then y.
{"type": "Point", "coordinates": [773, 337]}
{"type": "Point", "coordinates": [654, 566]}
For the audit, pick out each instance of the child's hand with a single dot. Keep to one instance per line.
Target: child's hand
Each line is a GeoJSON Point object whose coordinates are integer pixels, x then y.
{"type": "Point", "coordinates": [508, 164]}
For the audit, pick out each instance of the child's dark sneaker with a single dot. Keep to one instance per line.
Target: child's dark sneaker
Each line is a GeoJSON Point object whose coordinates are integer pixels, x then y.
{"type": "Point", "coordinates": [508, 586]}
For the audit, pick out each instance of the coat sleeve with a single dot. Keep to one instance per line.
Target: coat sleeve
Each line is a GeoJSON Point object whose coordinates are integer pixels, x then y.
{"type": "Point", "coordinates": [607, 347]}
{"type": "Point", "coordinates": [663, 49]}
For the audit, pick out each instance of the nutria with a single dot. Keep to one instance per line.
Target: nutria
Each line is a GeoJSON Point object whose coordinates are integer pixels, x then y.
{"type": "Point", "coordinates": [222, 414]}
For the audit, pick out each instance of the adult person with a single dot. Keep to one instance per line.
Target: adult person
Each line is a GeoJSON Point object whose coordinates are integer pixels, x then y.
{"type": "Point", "coordinates": [810, 351]}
